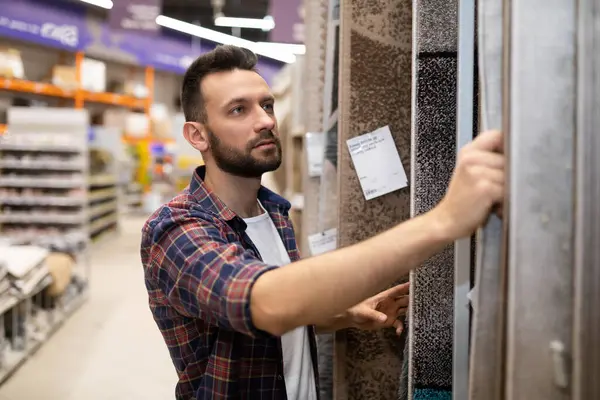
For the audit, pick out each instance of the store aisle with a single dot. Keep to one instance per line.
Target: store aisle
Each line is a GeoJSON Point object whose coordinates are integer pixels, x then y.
{"type": "Point", "coordinates": [110, 349]}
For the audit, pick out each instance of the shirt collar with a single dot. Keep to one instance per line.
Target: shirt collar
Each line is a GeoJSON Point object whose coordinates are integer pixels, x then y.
{"type": "Point", "coordinates": [211, 203]}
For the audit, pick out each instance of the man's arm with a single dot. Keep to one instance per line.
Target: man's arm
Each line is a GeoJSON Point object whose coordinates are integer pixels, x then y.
{"type": "Point", "coordinates": [336, 323]}
{"type": "Point", "coordinates": [310, 291]}
{"type": "Point", "coordinates": [200, 273]}
{"type": "Point", "coordinates": [204, 276]}
{"type": "Point", "coordinates": [313, 290]}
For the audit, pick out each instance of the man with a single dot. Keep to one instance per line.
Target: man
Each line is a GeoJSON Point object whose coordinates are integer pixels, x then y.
{"type": "Point", "coordinates": [234, 302]}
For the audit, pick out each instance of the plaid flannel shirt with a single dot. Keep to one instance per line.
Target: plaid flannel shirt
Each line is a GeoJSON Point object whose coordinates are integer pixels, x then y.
{"type": "Point", "coordinates": [199, 268]}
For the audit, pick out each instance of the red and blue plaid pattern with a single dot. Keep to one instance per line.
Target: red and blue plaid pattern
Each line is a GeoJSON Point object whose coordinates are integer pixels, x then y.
{"type": "Point", "coordinates": [199, 269]}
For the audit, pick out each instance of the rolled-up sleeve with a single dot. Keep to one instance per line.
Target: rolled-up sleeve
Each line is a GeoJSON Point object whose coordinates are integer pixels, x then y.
{"type": "Point", "coordinates": [203, 275]}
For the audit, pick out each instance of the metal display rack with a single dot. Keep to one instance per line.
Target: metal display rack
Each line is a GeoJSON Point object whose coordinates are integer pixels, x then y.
{"type": "Point", "coordinates": [134, 197]}
{"type": "Point", "coordinates": [44, 202]}
{"type": "Point", "coordinates": [43, 179]}
{"type": "Point", "coordinates": [103, 205]}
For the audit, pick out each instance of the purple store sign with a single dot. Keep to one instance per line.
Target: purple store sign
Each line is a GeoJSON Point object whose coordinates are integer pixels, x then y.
{"type": "Point", "coordinates": [69, 27]}
{"type": "Point", "coordinates": [136, 15]}
{"type": "Point", "coordinates": [64, 29]}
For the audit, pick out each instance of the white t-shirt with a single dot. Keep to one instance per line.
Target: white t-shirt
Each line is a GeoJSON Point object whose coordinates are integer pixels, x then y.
{"type": "Point", "coordinates": [297, 362]}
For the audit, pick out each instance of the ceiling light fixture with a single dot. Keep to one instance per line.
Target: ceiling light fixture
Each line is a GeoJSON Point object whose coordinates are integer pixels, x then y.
{"type": "Point", "coordinates": [266, 24]}
{"type": "Point", "coordinates": [287, 47]}
{"type": "Point", "coordinates": [218, 37]}
{"type": "Point", "coordinates": [108, 4]}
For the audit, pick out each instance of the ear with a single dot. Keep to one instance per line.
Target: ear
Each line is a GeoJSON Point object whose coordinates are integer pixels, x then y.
{"type": "Point", "coordinates": [195, 134]}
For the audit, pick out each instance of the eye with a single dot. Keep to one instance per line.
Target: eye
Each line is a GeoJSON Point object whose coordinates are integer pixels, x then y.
{"type": "Point", "coordinates": [268, 107]}
{"type": "Point", "coordinates": [237, 110]}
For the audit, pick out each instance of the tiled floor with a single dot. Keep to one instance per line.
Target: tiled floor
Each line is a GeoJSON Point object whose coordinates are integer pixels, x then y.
{"type": "Point", "coordinates": [110, 349]}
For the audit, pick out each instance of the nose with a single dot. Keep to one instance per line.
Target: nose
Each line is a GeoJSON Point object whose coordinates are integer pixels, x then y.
{"type": "Point", "coordinates": [265, 121]}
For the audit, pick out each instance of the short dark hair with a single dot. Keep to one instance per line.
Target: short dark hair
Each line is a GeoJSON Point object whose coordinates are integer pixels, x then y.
{"type": "Point", "coordinates": [221, 58]}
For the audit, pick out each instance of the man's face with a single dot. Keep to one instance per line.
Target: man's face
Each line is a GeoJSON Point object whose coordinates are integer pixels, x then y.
{"type": "Point", "coordinates": [241, 127]}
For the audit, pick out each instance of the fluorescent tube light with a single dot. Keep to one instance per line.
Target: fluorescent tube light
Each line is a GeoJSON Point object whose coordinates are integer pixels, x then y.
{"type": "Point", "coordinates": [266, 24]}
{"type": "Point", "coordinates": [287, 47]}
{"type": "Point", "coordinates": [108, 4]}
{"type": "Point", "coordinates": [218, 37]}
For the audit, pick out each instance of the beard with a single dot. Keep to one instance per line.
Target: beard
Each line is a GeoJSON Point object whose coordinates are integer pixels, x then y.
{"type": "Point", "coordinates": [243, 163]}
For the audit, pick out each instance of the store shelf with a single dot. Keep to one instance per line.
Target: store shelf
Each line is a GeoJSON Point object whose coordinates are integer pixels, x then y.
{"type": "Point", "coordinates": [38, 147]}
{"type": "Point", "coordinates": [41, 164]}
{"type": "Point", "coordinates": [44, 89]}
{"type": "Point", "coordinates": [53, 201]}
{"type": "Point", "coordinates": [30, 314]}
{"type": "Point", "coordinates": [47, 89]}
{"type": "Point", "coordinates": [30, 217]}
{"type": "Point", "coordinates": [115, 100]}
{"type": "Point", "coordinates": [135, 199]}
{"type": "Point", "coordinates": [132, 198]}
{"type": "Point", "coordinates": [102, 209]}
{"type": "Point", "coordinates": [102, 180]}
{"type": "Point", "coordinates": [49, 322]}
{"type": "Point", "coordinates": [43, 177]}
{"type": "Point", "coordinates": [131, 140]}
{"type": "Point", "coordinates": [8, 304]}
{"type": "Point", "coordinates": [103, 194]}
{"type": "Point", "coordinates": [102, 224]}
{"type": "Point", "coordinates": [28, 181]}
{"type": "Point", "coordinates": [104, 206]}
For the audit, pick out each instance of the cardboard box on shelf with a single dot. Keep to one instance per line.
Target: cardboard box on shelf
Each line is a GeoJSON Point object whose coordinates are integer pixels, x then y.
{"type": "Point", "coordinates": [11, 64]}
{"type": "Point", "coordinates": [65, 77]}
{"type": "Point", "coordinates": [129, 87]}
{"type": "Point", "coordinates": [136, 89]}
{"type": "Point", "coordinates": [93, 75]}
{"type": "Point", "coordinates": [132, 124]}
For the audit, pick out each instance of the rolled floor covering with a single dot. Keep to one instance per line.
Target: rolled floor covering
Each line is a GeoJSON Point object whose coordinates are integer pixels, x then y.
{"type": "Point", "coordinates": [432, 287]}
{"type": "Point", "coordinates": [375, 91]}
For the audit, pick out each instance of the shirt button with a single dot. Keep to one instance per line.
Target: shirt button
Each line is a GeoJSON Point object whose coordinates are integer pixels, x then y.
{"type": "Point", "coordinates": [279, 377]}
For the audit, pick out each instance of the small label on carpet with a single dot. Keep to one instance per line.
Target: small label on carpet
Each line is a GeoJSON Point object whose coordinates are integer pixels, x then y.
{"type": "Point", "coordinates": [315, 151]}
{"type": "Point", "coordinates": [323, 242]}
{"type": "Point", "coordinates": [377, 163]}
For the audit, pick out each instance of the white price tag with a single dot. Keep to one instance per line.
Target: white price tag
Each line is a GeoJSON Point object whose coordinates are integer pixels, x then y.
{"type": "Point", "coordinates": [323, 242]}
{"type": "Point", "coordinates": [377, 163]}
{"type": "Point", "coordinates": [315, 152]}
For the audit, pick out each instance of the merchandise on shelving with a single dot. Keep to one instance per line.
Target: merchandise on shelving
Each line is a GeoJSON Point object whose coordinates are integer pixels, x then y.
{"type": "Point", "coordinates": [65, 77]}
{"type": "Point", "coordinates": [104, 186]}
{"type": "Point", "coordinates": [43, 174]}
{"type": "Point", "coordinates": [57, 190]}
{"type": "Point", "coordinates": [93, 75]}
{"type": "Point", "coordinates": [162, 177]}
{"type": "Point", "coordinates": [103, 205]}
{"type": "Point", "coordinates": [134, 197]}
{"type": "Point", "coordinates": [39, 289]}
{"type": "Point", "coordinates": [43, 226]}
{"type": "Point", "coordinates": [11, 64]}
